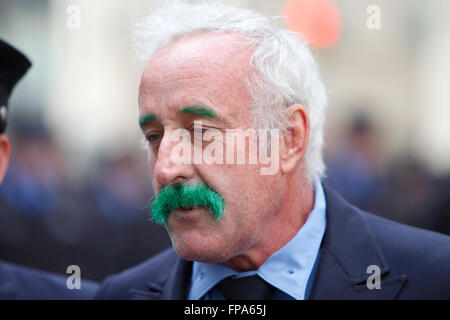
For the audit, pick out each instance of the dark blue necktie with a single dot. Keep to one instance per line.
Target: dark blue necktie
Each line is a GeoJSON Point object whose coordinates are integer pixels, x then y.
{"type": "Point", "coordinates": [246, 288]}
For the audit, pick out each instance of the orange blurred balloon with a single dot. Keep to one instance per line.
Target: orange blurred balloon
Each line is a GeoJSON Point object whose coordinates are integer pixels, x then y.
{"type": "Point", "coordinates": [318, 21]}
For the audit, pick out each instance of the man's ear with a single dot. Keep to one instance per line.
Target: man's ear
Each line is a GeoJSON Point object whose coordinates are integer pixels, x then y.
{"type": "Point", "coordinates": [295, 142]}
{"type": "Point", "coordinates": [5, 151]}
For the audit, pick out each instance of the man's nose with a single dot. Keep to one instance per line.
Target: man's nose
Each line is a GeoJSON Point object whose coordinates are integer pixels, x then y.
{"type": "Point", "coordinates": [169, 170]}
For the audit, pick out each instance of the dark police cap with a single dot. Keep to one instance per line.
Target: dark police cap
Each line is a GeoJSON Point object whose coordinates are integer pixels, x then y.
{"type": "Point", "coordinates": [13, 66]}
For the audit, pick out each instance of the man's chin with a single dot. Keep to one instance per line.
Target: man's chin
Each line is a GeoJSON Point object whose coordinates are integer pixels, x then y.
{"type": "Point", "coordinates": [197, 236]}
{"type": "Point", "coordinates": [194, 252]}
{"type": "Point", "coordinates": [202, 258]}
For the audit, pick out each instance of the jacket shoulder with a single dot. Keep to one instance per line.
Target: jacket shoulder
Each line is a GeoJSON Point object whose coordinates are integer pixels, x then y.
{"type": "Point", "coordinates": [423, 255]}
{"type": "Point", "coordinates": [414, 261]}
{"type": "Point", "coordinates": [408, 241]}
{"type": "Point", "coordinates": [153, 270]}
{"type": "Point", "coordinates": [24, 283]}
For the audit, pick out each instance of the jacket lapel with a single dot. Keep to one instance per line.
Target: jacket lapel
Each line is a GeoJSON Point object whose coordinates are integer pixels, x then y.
{"type": "Point", "coordinates": [348, 248]}
{"type": "Point", "coordinates": [177, 284]}
{"type": "Point", "coordinates": [174, 288]}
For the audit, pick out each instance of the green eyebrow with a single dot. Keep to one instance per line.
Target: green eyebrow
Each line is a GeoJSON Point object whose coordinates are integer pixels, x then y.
{"type": "Point", "coordinates": [146, 119]}
{"type": "Point", "coordinates": [200, 111]}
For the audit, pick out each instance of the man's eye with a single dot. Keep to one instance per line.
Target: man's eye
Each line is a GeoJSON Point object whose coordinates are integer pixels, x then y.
{"type": "Point", "coordinates": [153, 137]}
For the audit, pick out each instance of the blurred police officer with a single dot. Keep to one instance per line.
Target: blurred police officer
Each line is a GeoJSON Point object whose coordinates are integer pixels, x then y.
{"type": "Point", "coordinates": [17, 282]}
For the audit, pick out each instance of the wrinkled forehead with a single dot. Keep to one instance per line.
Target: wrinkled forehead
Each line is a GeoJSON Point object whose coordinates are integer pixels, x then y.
{"type": "Point", "coordinates": [213, 47]}
{"type": "Point", "coordinates": [222, 54]}
{"type": "Point", "coordinates": [208, 64]}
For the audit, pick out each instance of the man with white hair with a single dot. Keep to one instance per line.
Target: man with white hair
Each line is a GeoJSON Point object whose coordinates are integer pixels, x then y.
{"type": "Point", "coordinates": [239, 232]}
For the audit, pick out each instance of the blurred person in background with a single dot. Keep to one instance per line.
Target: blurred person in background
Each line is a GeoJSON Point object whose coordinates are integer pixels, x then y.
{"type": "Point", "coordinates": [19, 282]}
{"type": "Point", "coordinates": [443, 207]}
{"type": "Point", "coordinates": [355, 169]}
{"type": "Point", "coordinates": [401, 190]}
{"type": "Point", "coordinates": [238, 234]}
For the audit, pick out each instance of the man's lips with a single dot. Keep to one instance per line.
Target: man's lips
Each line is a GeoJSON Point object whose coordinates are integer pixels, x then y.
{"type": "Point", "coordinates": [187, 213]}
{"type": "Point", "coordinates": [186, 208]}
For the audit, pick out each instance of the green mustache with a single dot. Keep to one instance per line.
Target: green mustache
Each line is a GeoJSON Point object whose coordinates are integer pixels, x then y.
{"type": "Point", "coordinates": [181, 195]}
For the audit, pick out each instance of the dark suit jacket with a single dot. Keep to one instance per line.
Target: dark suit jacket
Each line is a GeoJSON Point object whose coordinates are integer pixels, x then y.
{"type": "Point", "coordinates": [23, 283]}
{"type": "Point", "coordinates": [414, 263]}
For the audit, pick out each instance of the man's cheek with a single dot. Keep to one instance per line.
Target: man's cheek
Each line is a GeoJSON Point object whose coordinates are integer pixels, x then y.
{"type": "Point", "coordinates": [151, 164]}
{"type": "Point", "coordinates": [153, 176]}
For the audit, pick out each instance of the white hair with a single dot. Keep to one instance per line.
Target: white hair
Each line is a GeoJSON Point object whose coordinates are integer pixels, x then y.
{"type": "Point", "coordinates": [284, 71]}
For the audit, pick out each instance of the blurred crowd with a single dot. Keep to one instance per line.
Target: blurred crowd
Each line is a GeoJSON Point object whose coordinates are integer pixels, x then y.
{"type": "Point", "coordinates": [401, 189]}
{"type": "Point", "coordinates": [50, 222]}
{"type": "Point", "coordinates": [97, 223]}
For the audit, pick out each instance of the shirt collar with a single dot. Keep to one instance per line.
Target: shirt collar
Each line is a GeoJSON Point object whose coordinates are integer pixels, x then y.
{"type": "Point", "coordinates": [288, 269]}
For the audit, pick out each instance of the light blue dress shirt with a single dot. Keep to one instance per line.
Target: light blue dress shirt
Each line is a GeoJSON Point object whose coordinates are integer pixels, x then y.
{"type": "Point", "coordinates": [289, 269]}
